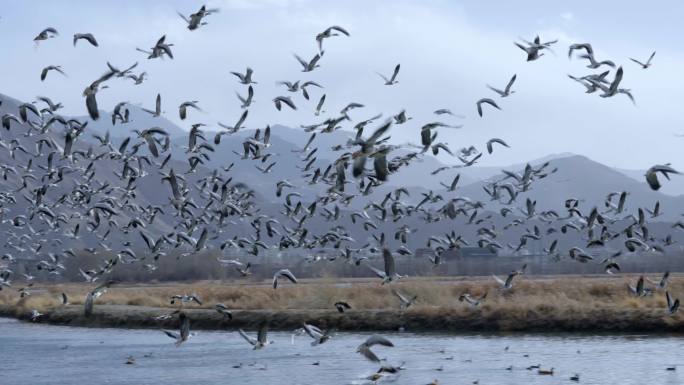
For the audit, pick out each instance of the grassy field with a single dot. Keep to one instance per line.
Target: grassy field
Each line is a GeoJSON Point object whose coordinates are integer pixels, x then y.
{"type": "Point", "coordinates": [534, 303]}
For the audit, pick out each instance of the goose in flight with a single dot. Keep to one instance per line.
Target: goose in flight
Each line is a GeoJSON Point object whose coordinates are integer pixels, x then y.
{"type": "Point", "coordinates": [246, 102]}
{"type": "Point", "coordinates": [160, 49]}
{"type": "Point", "coordinates": [612, 89]}
{"type": "Point", "coordinates": [406, 302]}
{"type": "Point", "coordinates": [90, 92]}
{"type": "Point", "coordinates": [341, 306]}
{"type": "Point", "coordinates": [183, 108]}
{"type": "Point", "coordinates": [593, 64]}
{"type": "Point", "coordinates": [35, 315]}
{"type": "Point", "coordinates": [319, 106]}
{"type": "Point", "coordinates": [662, 283]}
{"type": "Point", "coordinates": [87, 37]}
{"type": "Point", "coordinates": [157, 107]}
{"type": "Point", "coordinates": [239, 266]}
{"type": "Point", "coordinates": [261, 341]}
{"type": "Point", "coordinates": [390, 273]}
{"type": "Point", "coordinates": [443, 111]}
{"type": "Point", "coordinates": [644, 65]}
{"type": "Point", "coordinates": [472, 301]}
{"type": "Point", "coordinates": [280, 100]}
{"type": "Point", "coordinates": [286, 273]}
{"type": "Point", "coordinates": [44, 72]}
{"type": "Point", "coordinates": [307, 84]}
{"type": "Point", "coordinates": [327, 33]}
{"type": "Point", "coordinates": [184, 330]}
{"type": "Point", "coordinates": [508, 283]}
{"type": "Point", "coordinates": [194, 21]}
{"type": "Point", "coordinates": [639, 290]}
{"type": "Point", "coordinates": [652, 175]}
{"type": "Point", "coordinates": [223, 310]}
{"type": "Point", "coordinates": [393, 79]}
{"type": "Point", "coordinates": [454, 183]}
{"type": "Point", "coordinates": [93, 295]}
{"type": "Point", "coordinates": [319, 337]}
{"type": "Point", "coordinates": [45, 34]}
{"type": "Point", "coordinates": [310, 65]}
{"type": "Point", "coordinates": [137, 80]}
{"type": "Point", "coordinates": [506, 91]}
{"type": "Point", "coordinates": [485, 101]}
{"type": "Point", "coordinates": [245, 78]}
{"type": "Point", "coordinates": [185, 298]}
{"type": "Point", "coordinates": [672, 306]}
{"type": "Point", "coordinates": [364, 348]}
{"type": "Point", "coordinates": [585, 46]}
{"type": "Point", "coordinates": [490, 144]}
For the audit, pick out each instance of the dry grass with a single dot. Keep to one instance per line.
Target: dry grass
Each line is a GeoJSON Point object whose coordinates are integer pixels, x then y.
{"type": "Point", "coordinates": [531, 294]}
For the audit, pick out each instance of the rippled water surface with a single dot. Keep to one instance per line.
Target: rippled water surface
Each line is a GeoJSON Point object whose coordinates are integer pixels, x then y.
{"type": "Point", "coordinates": [39, 354]}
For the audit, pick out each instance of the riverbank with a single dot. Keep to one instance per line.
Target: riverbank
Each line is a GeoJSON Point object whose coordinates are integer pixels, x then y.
{"type": "Point", "coordinates": [539, 304]}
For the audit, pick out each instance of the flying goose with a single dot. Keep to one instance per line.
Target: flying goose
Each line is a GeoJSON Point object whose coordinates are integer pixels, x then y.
{"type": "Point", "coordinates": [364, 348]}
{"type": "Point", "coordinates": [245, 78]}
{"type": "Point", "coordinates": [319, 337]}
{"type": "Point", "coordinates": [246, 102]}
{"type": "Point", "coordinates": [44, 72]}
{"type": "Point", "coordinates": [652, 175]}
{"type": "Point", "coordinates": [490, 144]}
{"type": "Point", "coordinates": [283, 273]}
{"type": "Point", "coordinates": [506, 91]}
{"type": "Point", "coordinates": [472, 301]}
{"type": "Point", "coordinates": [648, 62]}
{"type": "Point", "coordinates": [223, 310]}
{"type": "Point", "coordinates": [183, 298]}
{"type": "Point", "coordinates": [280, 100]}
{"type": "Point", "coordinates": [662, 283]}
{"type": "Point", "coordinates": [310, 65]}
{"type": "Point", "coordinates": [485, 101]}
{"type": "Point", "coordinates": [183, 108]}
{"type": "Point", "coordinates": [327, 33]}
{"type": "Point", "coordinates": [45, 34]}
{"type": "Point", "coordinates": [508, 283]}
{"type": "Point", "coordinates": [194, 21]}
{"type": "Point", "coordinates": [87, 37]}
{"type": "Point", "coordinates": [393, 79]}
{"type": "Point", "coordinates": [593, 63]}
{"type": "Point", "coordinates": [342, 306]}
{"type": "Point", "coordinates": [261, 341]}
{"type": "Point", "coordinates": [184, 330]}
{"type": "Point", "coordinates": [390, 273]}
{"type": "Point", "coordinates": [672, 306]}
{"type": "Point", "coordinates": [406, 302]}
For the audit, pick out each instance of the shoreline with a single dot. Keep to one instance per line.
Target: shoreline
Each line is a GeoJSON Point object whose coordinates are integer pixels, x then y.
{"type": "Point", "coordinates": [412, 320]}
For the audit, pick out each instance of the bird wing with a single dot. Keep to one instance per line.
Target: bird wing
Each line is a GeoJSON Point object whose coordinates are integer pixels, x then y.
{"type": "Point", "coordinates": [252, 341]}
{"type": "Point", "coordinates": [396, 72]}
{"type": "Point", "coordinates": [510, 83]}
{"type": "Point", "coordinates": [263, 330]}
{"type": "Point", "coordinates": [499, 280]}
{"type": "Point", "coordinates": [366, 352]}
{"type": "Point", "coordinates": [389, 262]}
{"type": "Point", "coordinates": [171, 334]}
{"type": "Point", "coordinates": [378, 340]}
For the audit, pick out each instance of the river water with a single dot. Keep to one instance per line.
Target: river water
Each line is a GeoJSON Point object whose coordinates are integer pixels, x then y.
{"type": "Point", "coordinates": [36, 354]}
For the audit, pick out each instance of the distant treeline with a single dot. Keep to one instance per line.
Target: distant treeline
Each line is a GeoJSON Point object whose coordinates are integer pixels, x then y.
{"type": "Point", "coordinates": [204, 266]}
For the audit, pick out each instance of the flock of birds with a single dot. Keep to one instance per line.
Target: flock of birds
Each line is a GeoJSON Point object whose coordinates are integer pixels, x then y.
{"type": "Point", "coordinates": [62, 180]}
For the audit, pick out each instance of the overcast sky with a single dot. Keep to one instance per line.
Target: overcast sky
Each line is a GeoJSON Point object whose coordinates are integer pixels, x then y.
{"type": "Point", "coordinates": [448, 51]}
